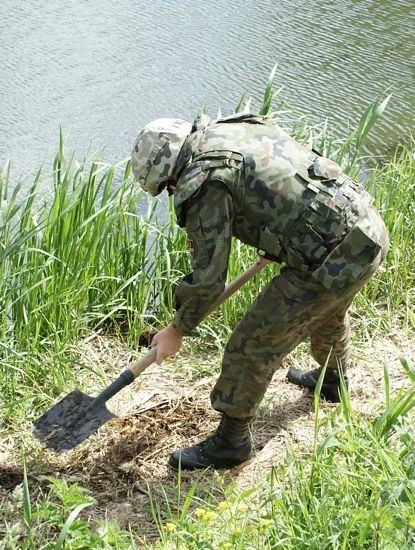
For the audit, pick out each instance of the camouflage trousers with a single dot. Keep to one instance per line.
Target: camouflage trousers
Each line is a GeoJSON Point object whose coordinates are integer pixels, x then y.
{"type": "Point", "coordinates": [292, 308]}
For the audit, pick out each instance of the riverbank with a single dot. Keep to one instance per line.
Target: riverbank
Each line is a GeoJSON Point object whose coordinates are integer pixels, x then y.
{"type": "Point", "coordinates": [122, 474]}
{"type": "Point", "coordinates": [85, 276]}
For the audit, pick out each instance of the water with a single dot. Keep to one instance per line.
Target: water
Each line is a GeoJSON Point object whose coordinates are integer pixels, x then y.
{"type": "Point", "coordinates": [101, 70]}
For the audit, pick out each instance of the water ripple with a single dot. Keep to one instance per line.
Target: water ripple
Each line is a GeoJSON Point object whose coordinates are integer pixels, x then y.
{"type": "Point", "coordinates": [102, 70]}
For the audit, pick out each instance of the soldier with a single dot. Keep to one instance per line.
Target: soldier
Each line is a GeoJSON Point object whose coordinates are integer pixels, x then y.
{"type": "Point", "coordinates": [242, 176]}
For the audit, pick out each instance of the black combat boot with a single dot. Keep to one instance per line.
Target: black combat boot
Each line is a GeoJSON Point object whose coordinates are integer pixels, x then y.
{"type": "Point", "coordinates": [330, 389]}
{"type": "Point", "coordinates": [228, 446]}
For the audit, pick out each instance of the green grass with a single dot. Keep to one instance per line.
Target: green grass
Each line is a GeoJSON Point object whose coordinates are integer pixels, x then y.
{"type": "Point", "coordinates": [82, 258]}
{"type": "Point", "coordinates": [54, 522]}
{"type": "Point", "coordinates": [354, 490]}
{"type": "Point", "coordinates": [85, 258]}
{"type": "Point", "coordinates": [94, 254]}
{"type": "Point", "coordinates": [393, 187]}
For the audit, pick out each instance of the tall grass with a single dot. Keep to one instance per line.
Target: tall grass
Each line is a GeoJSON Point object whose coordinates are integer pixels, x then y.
{"type": "Point", "coordinates": [83, 257]}
{"type": "Point", "coordinates": [90, 255]}
{"type": "Point", "coordinates": [393, 188]}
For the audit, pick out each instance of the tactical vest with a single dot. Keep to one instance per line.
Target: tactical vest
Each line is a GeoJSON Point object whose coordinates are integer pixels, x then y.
{"type": "Point", "coordinates": [282, 207]}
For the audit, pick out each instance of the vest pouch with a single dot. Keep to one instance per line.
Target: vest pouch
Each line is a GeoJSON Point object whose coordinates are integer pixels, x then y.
{"type": "Point", "coordinates": [351, 260]}
{"type": "Point", "coordinates": [269, 243]}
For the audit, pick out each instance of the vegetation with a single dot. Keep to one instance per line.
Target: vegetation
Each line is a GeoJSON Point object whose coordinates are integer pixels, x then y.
{"type": "Point", "coordinates": [94, 255]}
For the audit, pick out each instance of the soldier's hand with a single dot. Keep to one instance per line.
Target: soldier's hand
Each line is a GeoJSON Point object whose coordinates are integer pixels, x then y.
{"type": "Point", "coordinates": [167, 342]}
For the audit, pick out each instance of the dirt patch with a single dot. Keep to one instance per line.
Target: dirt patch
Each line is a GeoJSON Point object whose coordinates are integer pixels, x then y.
{"type": "Point", "coordinates": [124, 466]}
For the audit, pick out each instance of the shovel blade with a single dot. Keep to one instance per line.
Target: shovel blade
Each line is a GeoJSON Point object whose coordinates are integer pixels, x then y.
{"type": "Point", "coordinates": [72, 420]}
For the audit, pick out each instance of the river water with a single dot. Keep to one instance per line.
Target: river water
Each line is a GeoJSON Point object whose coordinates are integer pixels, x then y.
{"type": "Point", "coordinates": [101, 70]}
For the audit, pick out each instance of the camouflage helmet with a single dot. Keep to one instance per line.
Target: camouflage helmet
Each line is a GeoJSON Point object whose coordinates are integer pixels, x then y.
{"type": "Point", "coordinates": [156, 150]}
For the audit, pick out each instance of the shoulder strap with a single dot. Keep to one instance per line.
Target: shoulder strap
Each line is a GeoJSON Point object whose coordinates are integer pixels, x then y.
{"type": "Point", "coordinates": [248, 118]}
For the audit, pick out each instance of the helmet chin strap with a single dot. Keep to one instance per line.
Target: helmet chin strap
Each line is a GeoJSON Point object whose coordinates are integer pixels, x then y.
{"type": "Point", "coordinates": [161, 187]}
{"type": "Point", "coordinates": [171, 186]}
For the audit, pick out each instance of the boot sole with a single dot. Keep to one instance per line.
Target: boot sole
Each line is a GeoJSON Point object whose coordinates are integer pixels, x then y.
{"type": "Point", "coordinates": [198, 466]}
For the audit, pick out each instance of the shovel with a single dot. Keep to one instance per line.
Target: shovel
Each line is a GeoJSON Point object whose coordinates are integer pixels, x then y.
{"type": "Point", "coordinates": [75, 417]}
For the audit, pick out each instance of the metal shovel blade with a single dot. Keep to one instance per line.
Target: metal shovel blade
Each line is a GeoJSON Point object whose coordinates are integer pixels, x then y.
{"type": "Point", "coordinates": [72, 420]}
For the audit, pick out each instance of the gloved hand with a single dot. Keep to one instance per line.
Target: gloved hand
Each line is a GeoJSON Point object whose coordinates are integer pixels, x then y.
{"type": "Point", "coordinates": [167, 342]}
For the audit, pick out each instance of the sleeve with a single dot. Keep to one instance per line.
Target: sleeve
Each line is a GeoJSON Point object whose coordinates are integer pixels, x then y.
{"type": "Point", "coordinates": [209, 221]}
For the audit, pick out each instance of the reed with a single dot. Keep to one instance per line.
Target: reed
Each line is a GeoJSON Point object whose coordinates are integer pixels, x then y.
{"type": "Point", "coordinates": [91, 255]}
{"type": "Point", "coordinates": [393, 188]}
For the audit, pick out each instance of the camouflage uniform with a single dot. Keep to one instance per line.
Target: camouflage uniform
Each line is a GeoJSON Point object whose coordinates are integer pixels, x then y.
{"type": "Point", "coordinates": [243, 176]}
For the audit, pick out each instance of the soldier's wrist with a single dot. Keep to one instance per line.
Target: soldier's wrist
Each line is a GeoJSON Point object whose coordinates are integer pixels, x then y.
{"type": "Point", "coordinates": [181, 327]}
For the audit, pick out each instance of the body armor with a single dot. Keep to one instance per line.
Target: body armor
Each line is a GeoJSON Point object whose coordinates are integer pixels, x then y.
{"type": "Point", "coordinates": [291, 204]}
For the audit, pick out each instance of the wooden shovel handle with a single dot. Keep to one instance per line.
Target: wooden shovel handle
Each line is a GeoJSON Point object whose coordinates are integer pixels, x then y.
{"type": "Point", "coordinates": [139, 366]}
{"type": "Point", "coordinates": [239, 282]}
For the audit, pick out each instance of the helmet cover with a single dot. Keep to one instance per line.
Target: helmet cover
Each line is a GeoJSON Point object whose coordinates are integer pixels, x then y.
{"type": "Point", "coordinates": [156, 150]}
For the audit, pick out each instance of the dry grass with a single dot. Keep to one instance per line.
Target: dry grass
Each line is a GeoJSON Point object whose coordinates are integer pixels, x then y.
{"type": "Point", "coordinates": [124, 466]}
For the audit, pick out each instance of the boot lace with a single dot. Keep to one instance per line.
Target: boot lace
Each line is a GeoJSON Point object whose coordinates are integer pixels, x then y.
{"type": "Point", "coordinates": [215, 438]}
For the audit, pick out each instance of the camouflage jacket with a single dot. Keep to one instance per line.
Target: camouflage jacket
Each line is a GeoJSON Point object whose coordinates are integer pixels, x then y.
{"type": "Point", "coordinates": [244, 177]}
